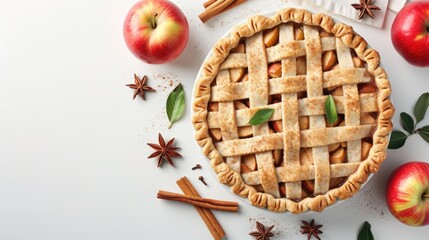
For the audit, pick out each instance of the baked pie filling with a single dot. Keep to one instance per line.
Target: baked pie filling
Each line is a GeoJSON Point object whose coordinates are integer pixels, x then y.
{"type": "Point", "coordinates": [291, 63]}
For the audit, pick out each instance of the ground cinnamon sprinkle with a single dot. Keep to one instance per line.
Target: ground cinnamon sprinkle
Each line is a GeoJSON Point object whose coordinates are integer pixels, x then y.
{"type": "Point", "coordinates": [165, 80]}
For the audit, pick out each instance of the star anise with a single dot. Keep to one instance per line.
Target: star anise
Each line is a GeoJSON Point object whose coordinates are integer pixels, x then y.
{"type": "Point", "coordinates": [365, 7]}
{"type": "Point", "coordinates": [311, 229]}
{"type": "Point", "coordinates": [164, 151]}
{"type": "Point", "coordinates": [139, 86]}
{"type": "Point", "coordinates": [262, 233]}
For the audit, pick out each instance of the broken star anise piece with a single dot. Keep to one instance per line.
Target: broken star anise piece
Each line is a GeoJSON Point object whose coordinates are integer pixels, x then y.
{"type": "Point", "coordinates": [365, 7]}
{"type": "Point", "coordinates": [164, 151]}
{"type": "Point", "coordinates": [262, 233]}
{"type": "Point", "coordinates": [139, 86]}
{"type": "Point", "coordinates": [311, 229]}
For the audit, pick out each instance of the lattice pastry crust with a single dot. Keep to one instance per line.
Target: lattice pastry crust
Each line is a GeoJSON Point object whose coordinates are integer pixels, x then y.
{"type": "Point", "coordinates": [290, 63]}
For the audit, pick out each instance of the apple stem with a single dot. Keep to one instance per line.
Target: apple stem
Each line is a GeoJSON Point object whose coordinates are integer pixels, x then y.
{"type": "Point", "coordinates": [425, 196]}
{"type": "Point", "coordinates": [153, 22]}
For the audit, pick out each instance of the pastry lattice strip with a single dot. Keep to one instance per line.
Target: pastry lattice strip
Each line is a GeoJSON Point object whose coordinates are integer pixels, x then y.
{"type": "Point", "coordinates": [309, 138]}
{"type": "Point", "coordinates": [290, 117]}
{"type": "Point", "coordinates": [351, 103]}
{"type": "Point", "coordinates": [300, 173]}
{"type": "Point", "coordinates": [293, 84]}
{"type": "Point", "coordinates": [277, 53]}
{"type": "Point", "coordinates": [258, 96]}
{"type": "Point", "coordinates": [368, 103]}
{"type": "Point", "coordinates": [315, 89]}
{"type": "Point", "coordinates": [227, 121]}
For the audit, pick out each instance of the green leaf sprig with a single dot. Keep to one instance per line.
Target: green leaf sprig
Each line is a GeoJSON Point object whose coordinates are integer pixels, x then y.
{"type": "Point", "coordinates": [331, 110]}
{"type": "Point", "coordinates": [175, 104]}
{"type": "Point", "coordinates": [261, 116]}
{"type": "Point", "coordinates": [398, 138]}
{"type": "Point", "coordinates": [365, 232]}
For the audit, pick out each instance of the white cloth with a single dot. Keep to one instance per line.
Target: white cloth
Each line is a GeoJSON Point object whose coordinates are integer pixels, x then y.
{"type": "Point", "coordinates": [344, 8]}
{"type": "Point", "coordinates": [396, 5]}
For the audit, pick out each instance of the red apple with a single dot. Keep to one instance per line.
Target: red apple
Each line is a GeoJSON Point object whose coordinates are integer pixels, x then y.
{"type": "Point", "coordinates": [410, 33]}
{"type": "Point", "coordinates": [408, 193]}
{"type": "Point", "coordinates": [156, 31]}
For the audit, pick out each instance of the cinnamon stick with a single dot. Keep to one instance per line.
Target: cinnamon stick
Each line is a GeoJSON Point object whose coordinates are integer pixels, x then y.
{"type": "Point", "coordinates": [209, 219]}
{"type": "Point", "coordinates": [199, 201]}
{"type": "Point", "coordinates": [215, 9]}
{"type": "Point", "coordinates": [208, 3]}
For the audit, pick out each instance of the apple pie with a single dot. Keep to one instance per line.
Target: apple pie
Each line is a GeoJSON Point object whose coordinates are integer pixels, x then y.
{"type": "Point", "coordinates": [291, 63]}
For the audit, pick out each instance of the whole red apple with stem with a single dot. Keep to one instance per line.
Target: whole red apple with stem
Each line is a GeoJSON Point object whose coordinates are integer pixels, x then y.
{"type": "Point", "coordinates": [156, 31]}
{"type": "Point", "coordinates": [408, 193]}
{"type": "Point", "coordinates": [410, 33]}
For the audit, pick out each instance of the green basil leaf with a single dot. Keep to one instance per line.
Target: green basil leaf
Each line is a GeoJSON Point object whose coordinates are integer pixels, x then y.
{"type": "Point", "coordinates": [331, 110]}
{"type": "Point", "coordinates": [421, 107]}
{"type": "Point", "coordinates": [261, 116]}
{"type": "Point", "coordinates": [175, 104]}
{"type": "Point", "coordinates": [397, 140]}
{"type": "Point", "coordinates": [424, 133]}
{"type": "Point", "coordinates": [407, 122]}
{"type": "Point", "coordinates": [365, 232]}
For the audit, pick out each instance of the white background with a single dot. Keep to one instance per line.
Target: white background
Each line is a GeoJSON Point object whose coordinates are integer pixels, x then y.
{"type": "Point", "coordinates": [73, 153]}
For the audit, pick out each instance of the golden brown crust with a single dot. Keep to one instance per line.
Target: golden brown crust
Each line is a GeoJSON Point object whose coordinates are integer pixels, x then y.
{"type": "Point", "coordinates": [232, 178]}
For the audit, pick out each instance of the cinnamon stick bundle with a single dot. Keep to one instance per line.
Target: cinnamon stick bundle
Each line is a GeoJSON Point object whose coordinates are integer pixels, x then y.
{"type": "Point", "coordinates": [215, 7]}
{"type": "Point", "coordinates": [199, 201]}
{"type": "Point", "coordinates": [209, 219]}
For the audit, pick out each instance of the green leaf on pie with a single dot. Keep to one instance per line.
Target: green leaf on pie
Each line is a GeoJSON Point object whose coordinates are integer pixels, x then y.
{"type": "Point", "coordinates": [421, 107]}
{"type": "Point", "coordinates": [365, 232]}
{"type": "Point", "coordinates": [175, 104]}
{"type": "Point", "coordinates": [331, 110]}
{"type": "Point", "coordinates": [397, 139]}
{"type": "Point", "coordinates": [261, 116]}
{"type": "Point", "coordinates": [424, 133]}
{"type": "Point", "coordinates": [407, 122]}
